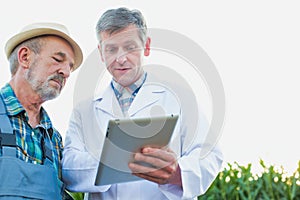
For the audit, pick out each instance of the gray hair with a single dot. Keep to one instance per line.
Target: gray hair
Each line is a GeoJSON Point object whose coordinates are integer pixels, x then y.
{"type": "Point", "coordinates": [34, 44]}
{"type": "Point", "coordinates": [115, 20]}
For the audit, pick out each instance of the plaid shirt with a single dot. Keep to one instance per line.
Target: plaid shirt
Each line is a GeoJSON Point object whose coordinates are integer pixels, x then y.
{"type": "Point", "coordinates": [29, 139]}
{"type": "Point", "coordinates": [126, 95]}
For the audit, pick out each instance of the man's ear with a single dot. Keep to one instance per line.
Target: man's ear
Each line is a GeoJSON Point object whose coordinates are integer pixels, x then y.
{"type": "Point", "coordinates": [24, 54]}
{"type": "Point", "coordinates": [100, 51]}
{"type": "Point", "coordinates": [147, 47]}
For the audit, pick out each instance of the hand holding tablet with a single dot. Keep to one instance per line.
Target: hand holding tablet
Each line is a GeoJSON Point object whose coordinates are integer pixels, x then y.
{"type": "Point", "coordinates": [125, 137]}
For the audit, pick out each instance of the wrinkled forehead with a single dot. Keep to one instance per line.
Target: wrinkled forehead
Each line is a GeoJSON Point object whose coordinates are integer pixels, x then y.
{"type": "Point", "coordinates": [130, 34]}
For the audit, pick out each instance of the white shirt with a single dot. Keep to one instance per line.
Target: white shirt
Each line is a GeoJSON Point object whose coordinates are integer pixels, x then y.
{"type": "Point", "coordinates": [86, 134]}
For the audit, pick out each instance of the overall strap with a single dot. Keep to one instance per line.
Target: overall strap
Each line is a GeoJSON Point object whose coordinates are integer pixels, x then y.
{"type": "Point", "coordinates": [8, 138]}
{"type": "Point", "coordinates": [47, 147]}
{"type": "Point", "coordinates": [7, 135]}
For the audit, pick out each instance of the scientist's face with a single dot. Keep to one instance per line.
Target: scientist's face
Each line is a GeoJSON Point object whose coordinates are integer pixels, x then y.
{"type": "Point", "coordinates": [123, 53]}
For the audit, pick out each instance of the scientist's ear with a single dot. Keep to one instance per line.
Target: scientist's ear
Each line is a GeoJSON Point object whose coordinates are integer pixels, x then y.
{"type": "Point", "coordinates": [147, 47]}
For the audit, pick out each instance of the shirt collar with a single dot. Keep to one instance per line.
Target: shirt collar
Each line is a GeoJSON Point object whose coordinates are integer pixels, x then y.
{"type": "Point", "coordinates": [14, 107]}
{"type": "Point", "coordinates": [132, 89]}
{"type": "Point", "coordinates": [45, 119]}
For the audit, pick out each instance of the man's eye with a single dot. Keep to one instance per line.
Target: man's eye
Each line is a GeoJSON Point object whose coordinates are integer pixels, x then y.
{"type": "Point", "coordinates": [130, 47]}
{"type": "Point", "coordinates": [111, 50]}
{"type": "Point", "coordinates": [56, 59]}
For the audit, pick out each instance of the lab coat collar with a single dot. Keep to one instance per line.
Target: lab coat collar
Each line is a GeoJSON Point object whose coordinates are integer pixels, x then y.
{"type": "Point", "coordinates": [148, 94]}
{"type": "Point", "coordinates": [107, 102]}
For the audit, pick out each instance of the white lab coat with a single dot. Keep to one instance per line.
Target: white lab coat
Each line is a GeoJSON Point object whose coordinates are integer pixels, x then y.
{"type": "Point", "coordinates": [86, 134]}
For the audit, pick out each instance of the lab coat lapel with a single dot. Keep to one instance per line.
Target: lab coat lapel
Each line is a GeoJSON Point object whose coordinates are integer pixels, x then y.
{"type": "Point", "coordinates": [147, 95]}
{"type": "Point", "coordinates": [108, 103]}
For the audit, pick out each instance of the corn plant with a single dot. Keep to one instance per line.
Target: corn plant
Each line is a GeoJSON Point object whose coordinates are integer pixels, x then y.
{"type": "Point", "coordinates": [239, 183]}
{"type": "Point", "coordinates": [73, 195]}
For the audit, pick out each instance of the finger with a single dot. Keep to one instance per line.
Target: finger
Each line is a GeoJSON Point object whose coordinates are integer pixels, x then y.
{"type": "Point", "coordinates": [151, 174]}
{"type": "Point", "coordinates": [161, 173]}
{"type": "Point", "coordinates": [138, 168]}
{"type": "Point", "coordinates": [149, 159]}
{"type": "Point", "coordinates": [164, 154]}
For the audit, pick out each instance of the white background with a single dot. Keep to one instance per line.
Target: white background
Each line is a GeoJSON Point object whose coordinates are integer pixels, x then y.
{"type": "Point", "coordinates": [255, 46]}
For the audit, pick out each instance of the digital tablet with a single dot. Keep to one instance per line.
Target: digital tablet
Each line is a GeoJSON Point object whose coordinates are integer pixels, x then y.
{"type": "Point", "coordinates": [126, 136]}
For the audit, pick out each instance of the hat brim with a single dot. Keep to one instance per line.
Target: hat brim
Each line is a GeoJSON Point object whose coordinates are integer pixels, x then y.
{"type": "Point", "coordinates": [21, 37]}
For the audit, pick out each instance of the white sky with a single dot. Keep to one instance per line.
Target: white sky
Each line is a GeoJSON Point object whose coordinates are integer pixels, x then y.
{"type": "Point", "coordinates": [255, 46]}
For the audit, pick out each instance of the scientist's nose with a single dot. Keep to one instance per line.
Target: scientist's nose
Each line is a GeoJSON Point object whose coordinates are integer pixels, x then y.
{"type": "Point", "coordinates": [121, 57]}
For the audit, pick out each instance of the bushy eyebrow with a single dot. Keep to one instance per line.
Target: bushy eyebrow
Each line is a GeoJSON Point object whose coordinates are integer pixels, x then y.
{"type": "Point", "coordinates": [61, 54]}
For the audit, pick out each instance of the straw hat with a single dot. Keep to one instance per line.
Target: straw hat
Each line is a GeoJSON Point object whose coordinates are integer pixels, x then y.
{"type": "Point", "coordinates": [39, 29]}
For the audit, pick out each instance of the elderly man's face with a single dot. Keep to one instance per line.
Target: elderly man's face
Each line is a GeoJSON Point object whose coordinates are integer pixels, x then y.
{"type": "Point", "coordinates": [49, 70]}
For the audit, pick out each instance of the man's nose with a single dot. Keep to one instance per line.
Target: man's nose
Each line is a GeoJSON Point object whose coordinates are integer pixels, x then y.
{"type": "Point", "coordinates": [65, 70]}
{"type": "Point", "coordinates": [121, 57]}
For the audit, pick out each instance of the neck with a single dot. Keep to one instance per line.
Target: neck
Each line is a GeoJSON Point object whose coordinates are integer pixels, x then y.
{"type": "Point", "coordinates": [31, 101]}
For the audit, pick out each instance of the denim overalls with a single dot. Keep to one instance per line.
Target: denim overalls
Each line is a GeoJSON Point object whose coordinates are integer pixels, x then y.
{"type": "Point", "coordinates": [22, 180]}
